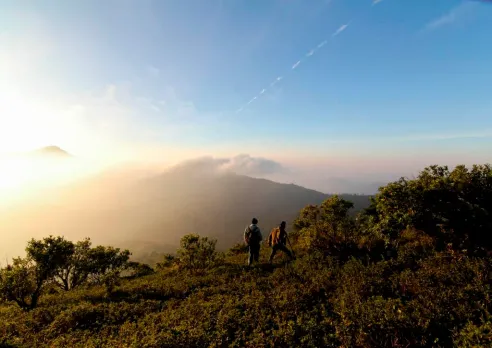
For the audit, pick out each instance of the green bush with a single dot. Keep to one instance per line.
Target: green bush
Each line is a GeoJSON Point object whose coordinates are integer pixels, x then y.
{"type": "Point", "coordinates": [197, 252]}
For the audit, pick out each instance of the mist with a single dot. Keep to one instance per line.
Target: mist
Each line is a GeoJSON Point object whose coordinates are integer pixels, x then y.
{"type": "Point", "coordinates": [148, 206]}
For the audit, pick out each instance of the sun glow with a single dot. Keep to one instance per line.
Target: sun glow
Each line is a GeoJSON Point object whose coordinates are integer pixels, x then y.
{"type": "Point", "coordinates": [25, 125]}
{"type": "Point", "coordinates": [29, 176]}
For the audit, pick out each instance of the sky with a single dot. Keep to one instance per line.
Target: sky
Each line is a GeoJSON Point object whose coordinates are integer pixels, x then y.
{"type": "Point", "coordinates": [355, 87]}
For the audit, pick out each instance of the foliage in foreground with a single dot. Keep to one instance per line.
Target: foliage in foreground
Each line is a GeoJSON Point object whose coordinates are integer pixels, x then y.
{"type": "Point", "coordinates": [388, 278]}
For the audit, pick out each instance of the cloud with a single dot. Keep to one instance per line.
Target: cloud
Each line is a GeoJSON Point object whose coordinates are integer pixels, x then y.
{"type": "Point", "coordinates": [322, 44]}
{"type": "Point", "coordinates": [254, 166]}
{"type": "Point", "coordinates": [242, 164]}
{"type": "Point", "coordinates": [441, 21]}
{"type": "Point", "coordinates": [296, 64]}
{"type": "Point", "coordinates": [455, 14]}
{"type": "Point", "coordinates": [340, 30]}
{"type": "Point", "coordinates": [375, 2]}
{"type": "Point", "coordinates": [263, 91]}
{"type": "Point", "coordinates": [310, 53]}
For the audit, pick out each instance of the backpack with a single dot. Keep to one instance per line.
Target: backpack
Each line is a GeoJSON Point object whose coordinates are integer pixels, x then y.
{"type": "Point", "coordinates": [276, 237]}
{"type": "Point", "coordinates": [252, 235]}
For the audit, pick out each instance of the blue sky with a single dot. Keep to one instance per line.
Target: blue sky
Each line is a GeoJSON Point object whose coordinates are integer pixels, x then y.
{"type": "Point", "coordinates": [406, 81]}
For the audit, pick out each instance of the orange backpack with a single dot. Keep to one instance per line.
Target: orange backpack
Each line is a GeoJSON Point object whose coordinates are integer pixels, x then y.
{"type": "Point", "coordinates": [275, 236]}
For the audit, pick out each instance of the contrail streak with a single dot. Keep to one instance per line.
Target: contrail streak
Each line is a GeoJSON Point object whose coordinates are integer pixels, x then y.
{"type": "Point", "coordinates": [252, 100]}
{"type": "Point", "coordinates": [276, 80]}
{"type": "Point", "coordinates": [313, 51]}
{"type": "Point", "coordinates": [341, 29]}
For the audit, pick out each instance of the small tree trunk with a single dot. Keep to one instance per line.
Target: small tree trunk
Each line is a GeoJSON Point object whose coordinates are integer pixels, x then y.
{"type": "Point", "coordinates": [34, 300]}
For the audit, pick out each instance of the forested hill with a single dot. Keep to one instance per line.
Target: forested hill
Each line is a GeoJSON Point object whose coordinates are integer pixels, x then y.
{"type": "Point", "coordinates": [221, 206]}
{"type": "Point", "coordinates": [153, 213]}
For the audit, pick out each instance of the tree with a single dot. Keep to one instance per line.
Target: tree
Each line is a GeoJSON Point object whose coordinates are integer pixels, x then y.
{"type": "Point", "coordinates": [49, 255]}
{"type": "Point", "coordinates": [61, 262]}
{"type": "Point", "coordinates": [75, 271]}
{"type": "Point", "coordinates": [23, 281]}
{"type": "Point", "coordinates": [452, 206]}
{"type": "Point", "coordinates": [19, 283]}
{"type": "Point", "coordinates": [327, 227]}
{"type": "Point", "coordinates": [197, 252]}
{"type": "Point", "coordinates": [103, 261]}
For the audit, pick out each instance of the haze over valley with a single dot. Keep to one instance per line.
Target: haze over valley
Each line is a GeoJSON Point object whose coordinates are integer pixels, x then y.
{"type": "Point", "coordinates": [150, 207]}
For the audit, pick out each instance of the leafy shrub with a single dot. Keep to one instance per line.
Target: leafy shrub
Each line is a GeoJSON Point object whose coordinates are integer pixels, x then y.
{"type": "Point", "coordinates": [238, 249]}
{"type": "Point", "coordinates": [475, 335]}
{"type": "Point", "coordinates": [138, 269]}
{"type": "Point", "coordinates": [452, 206]}
{"type": "Point", "coordinates": [21, 283]}
{"type": "Point", "coordinates": [168, 260]}
{"type": "Point", "coordinates": [197, 252]}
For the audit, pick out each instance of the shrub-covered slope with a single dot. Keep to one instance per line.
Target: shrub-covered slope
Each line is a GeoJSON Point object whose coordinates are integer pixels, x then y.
{"type": "Point", "coordinates": [387, 278]}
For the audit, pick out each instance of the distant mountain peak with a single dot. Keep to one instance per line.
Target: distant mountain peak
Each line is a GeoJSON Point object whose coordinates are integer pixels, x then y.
{"type": "Point", "coordinates": [52, 150]}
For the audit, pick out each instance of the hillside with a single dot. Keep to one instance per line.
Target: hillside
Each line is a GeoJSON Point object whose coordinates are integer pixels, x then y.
{"type": "Point", "coordinates": [122, 210]}
{"type": "Point", "coordinates": [414, 270]}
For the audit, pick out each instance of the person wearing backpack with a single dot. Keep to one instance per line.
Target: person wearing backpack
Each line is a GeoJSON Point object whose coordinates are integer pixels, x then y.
{"type": "Point", "coordinates": [253, 238]}
{"type": "Point", "coordinates": [277, 240]}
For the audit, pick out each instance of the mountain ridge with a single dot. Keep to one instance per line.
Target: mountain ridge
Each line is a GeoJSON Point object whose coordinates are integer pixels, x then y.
{"type": "Point", "coordinates": [162, 208]}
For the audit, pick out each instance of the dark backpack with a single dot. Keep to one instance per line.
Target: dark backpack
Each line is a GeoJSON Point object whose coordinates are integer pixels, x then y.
{"type": "Point", "coordinates": [252, 235]}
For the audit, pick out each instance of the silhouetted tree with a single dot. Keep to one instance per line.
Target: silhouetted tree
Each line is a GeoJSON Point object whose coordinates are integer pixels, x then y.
{"type": "Point", "coordinates": [23, 281]}
{"type": "Point", "coordinates": [75, 271]}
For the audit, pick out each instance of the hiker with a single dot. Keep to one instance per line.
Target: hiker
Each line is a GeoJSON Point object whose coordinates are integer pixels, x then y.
{"type": "Point", "coordinates": [277, 240]}
{"type": "Point", "coordinates": [253, 238]}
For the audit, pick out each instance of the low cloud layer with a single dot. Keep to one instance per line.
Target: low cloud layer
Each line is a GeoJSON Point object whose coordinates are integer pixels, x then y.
{"type": "Point", "coordinates": [242, 164]}
{"type": "Point", "coordinates": [326, 180]}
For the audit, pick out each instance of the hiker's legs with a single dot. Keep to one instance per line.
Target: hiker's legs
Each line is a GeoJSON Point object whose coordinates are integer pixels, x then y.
{"type": "Point", "coordinates": [257, 253]}
{"type": "Point", "coordinates": [285, 250]}
{"type": "Point", "coordinates": [254, 253]}
{"type": "Point", "coordinates": [274, 251]}
{"type": "Point", "coordinates": [282, 247]}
